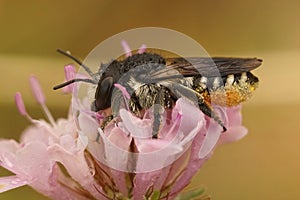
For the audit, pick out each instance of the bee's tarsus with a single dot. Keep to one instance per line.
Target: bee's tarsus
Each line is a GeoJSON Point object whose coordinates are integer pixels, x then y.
{"type": "Point", "coordinates": [224, 129]}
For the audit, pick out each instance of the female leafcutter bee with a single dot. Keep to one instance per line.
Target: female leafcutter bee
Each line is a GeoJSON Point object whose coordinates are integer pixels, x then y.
{"type": "Point", "coordinates": [151, 79]}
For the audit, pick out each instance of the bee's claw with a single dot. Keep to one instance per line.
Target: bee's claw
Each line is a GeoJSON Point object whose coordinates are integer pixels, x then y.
{"type": "Point", "coordinates": [224, 129]}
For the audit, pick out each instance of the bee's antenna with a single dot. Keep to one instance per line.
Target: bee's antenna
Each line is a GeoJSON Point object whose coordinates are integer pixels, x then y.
{"type": "Point", "coordinates": [86, 68]}
{"type": "Point", "coordinates": [73, 81]}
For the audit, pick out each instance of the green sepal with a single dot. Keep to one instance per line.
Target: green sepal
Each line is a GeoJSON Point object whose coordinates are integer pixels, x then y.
{"type": "Point", "coordinates": [155, 195]}
{"type": "Point", "coordinates": [195, 194]}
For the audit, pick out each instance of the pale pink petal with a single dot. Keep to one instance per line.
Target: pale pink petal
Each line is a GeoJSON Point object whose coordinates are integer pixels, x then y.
{"type": "Point", "coordinates": [234, 115]}
{"type": "Point", "coordinates": [153, 145]}
{"type": "Point", "coordinates": [8, 148]}
{"type": "Point", "coordinates": [116, 147]}
{"type": "Point", "coordinates": [138, 128]}
{"type": "Point", "coordinates": [214, 131]}
{"type": "Point", "coordinates": [58, 186]}
{"type": "Point", "coordinates": [233, 134]}
{"type": "Point", "coordinates": [118, 138]}
{"type": "Point", "coordinates": [10, 182]}
{"type": "Point", "coordinates": [89, 131]}
{"type": "Point", "coordinates": [120, 181]}
{"type": "Point", "coordinates": [155, 155]}
{"type": "Point", "coordinates": [80, 171]}
{"type": "Point", "coordinates": [68, 142]}
{"type": "Point", "coordinates": [8, 145]}
{"type": "Point", "coordinates": [235, 129]}
{"type": "Point", "coordinates": [174, 170]}
{"type": "Point", "coordinates": [88, 126]}
{"type": "Point", "coordinates": [191, 115]}
{"type": "Point", "coordinates": [211, 138]}
{"type": "Point", "coordinates": [191, 136]}
{"type": "Point", "coordinates": [143, 182]}
{"type": "Point", "coordinates": [33, 133]}
{"type": "Point", "coordinates": [193, 165]}
{"type": "Point", "coordinates": [37, 164]}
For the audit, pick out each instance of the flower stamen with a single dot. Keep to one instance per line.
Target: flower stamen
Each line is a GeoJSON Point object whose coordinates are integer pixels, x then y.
{"type": "Point", "coordinates": [126, 48]}
{"type": "Point", "coordinates": [142, 49]}
{"type": "Point", "coordinates": [40, 98]}
{"type": "Point", "coordinates": [21, 107]}
{"type": "Point", "coordinates": [70, 73]}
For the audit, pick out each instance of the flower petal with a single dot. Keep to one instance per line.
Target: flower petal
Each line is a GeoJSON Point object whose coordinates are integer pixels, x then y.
{"type": "Point", "coordinates": [190, 115]}
{"type": "Point", "coordinates": [234, 115]}
{"type": "Point", "coordinates": [76, 166]}
{"type": "Point", "coordinates": [10, 182]}
{"type": "Point", "coordinates": [193, 165]}
{"type": "Point", "coordinates": [116, 149]}
{"type": "Point", "coordinates": [233, 134]}
{"type": "Point", "coordinates": [211, 138]}
{"type": "Point", "coordinates": [213, 133]}
{"type": "Point", "coordinates": [138, 128]}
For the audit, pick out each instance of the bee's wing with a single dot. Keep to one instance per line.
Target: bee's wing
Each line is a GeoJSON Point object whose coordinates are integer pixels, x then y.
{"type": "Point", "coordinates": [217, 66]}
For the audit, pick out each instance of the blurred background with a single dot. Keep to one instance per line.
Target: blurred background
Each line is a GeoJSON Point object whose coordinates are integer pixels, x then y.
{"type": "Point", "coordinates": [264, 165]}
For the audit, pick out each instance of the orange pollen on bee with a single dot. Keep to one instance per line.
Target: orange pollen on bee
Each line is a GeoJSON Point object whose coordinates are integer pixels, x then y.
{"type": "Point", "coordinates": [231, 95]}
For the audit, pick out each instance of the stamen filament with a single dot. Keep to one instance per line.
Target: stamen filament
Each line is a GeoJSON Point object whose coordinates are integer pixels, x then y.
{"type": "Point", "coordinates": [142, 49]}
{"type": "Point", "coordinates": [48, 115]}
{"type": "Point", "coordinates": [126, 48]}
{"type": "Point", "coordinates": [40, 98]}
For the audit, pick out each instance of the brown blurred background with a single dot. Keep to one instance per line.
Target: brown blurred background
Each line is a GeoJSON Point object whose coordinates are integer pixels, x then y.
{"type": "Point", "coordinates": [264, 165]}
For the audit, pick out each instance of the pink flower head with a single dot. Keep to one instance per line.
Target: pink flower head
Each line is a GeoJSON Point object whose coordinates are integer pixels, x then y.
{"type": "Point", "coordinates": [121, 160]}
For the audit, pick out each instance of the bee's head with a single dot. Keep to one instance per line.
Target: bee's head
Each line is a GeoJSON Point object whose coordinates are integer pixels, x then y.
{"type": "Point", "coordinates": [103, 93]}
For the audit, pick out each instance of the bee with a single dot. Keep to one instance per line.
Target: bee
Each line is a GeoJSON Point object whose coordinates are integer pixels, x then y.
{"type": "Point", "coordinates": [151, 79]}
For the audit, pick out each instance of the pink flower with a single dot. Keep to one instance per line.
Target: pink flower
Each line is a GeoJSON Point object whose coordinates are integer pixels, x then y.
{"type": "Point", "coordinates": [157, 164]}
{"type": "Point", "coordinates": [34, 160]}
{"type": "Point", "coordinates": [74, 158]}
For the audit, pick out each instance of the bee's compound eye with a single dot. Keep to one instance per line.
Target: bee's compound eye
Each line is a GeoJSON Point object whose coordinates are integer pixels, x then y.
{"type": "Point", "coordinates": [103, 93]}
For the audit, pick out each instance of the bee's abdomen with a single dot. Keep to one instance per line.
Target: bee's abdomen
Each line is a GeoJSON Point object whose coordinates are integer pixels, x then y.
{"type": "Point", "coordinates": [228, 90]}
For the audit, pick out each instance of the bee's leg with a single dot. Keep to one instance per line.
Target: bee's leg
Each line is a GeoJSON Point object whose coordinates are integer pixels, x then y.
{"type": "Point", "coordinates": [206, 108]}
{"type": "Point", "coordinates": [106, 121]}
{"type": "Point", "coordinates": [104, 124]}
{"type": "Point", "coordinates": [158, 109]}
